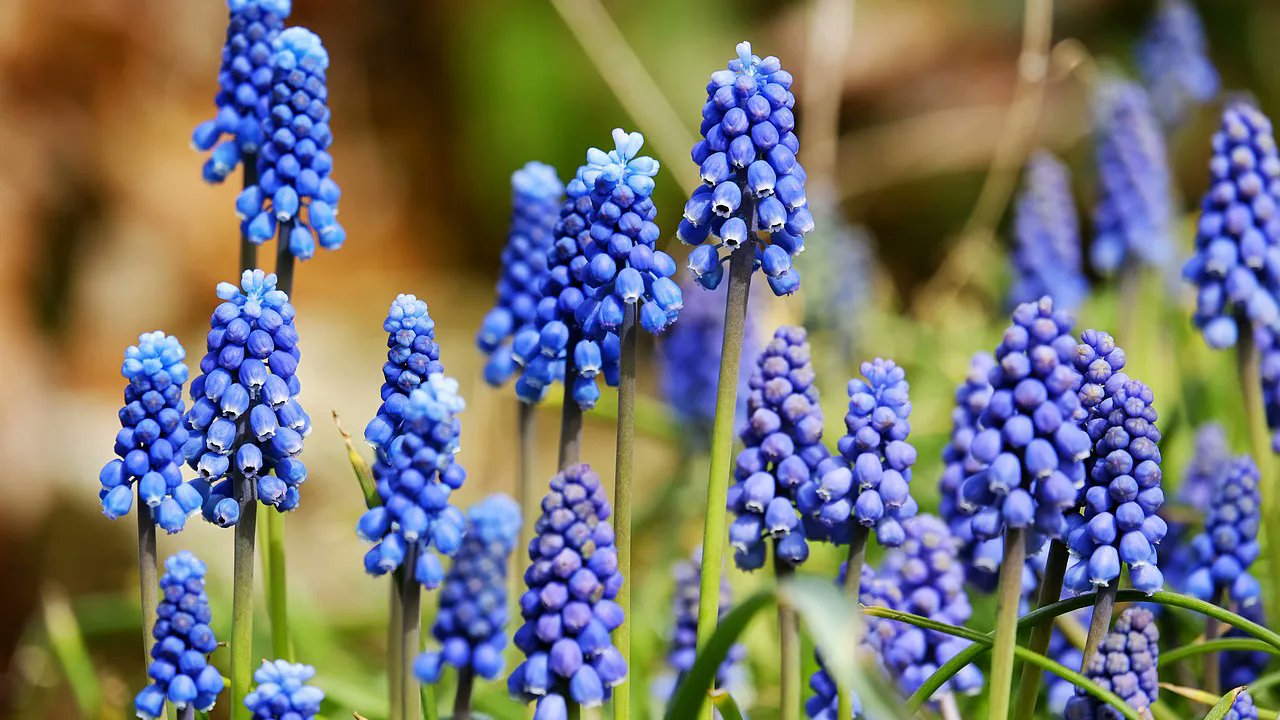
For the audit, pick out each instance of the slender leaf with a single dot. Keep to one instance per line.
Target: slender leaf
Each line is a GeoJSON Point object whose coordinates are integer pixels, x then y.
{"type": "Point", "coordinates": [1204, 698]}
{"type": "Point", "coordinates": [725, 704]}
{"type": "Point", "coordinates": [360, 466]}
{"type": "Point", "coordinates": [1220, 710]}
{"type": "Point", "coordinates": [691, 693]}
{"type": "Point", "coordinates": [69, 648]}
{"type": "Point", "coordinates": [1168, 657]}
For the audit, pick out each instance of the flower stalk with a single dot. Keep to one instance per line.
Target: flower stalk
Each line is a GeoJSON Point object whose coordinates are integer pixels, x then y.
{"type": "Point", "coordinates": [852, 590]}
{"type": "Point", "coordinates": [242, 595]}
{"type": "Point", "coordinates": [570, 451]}
{"type": "Point", "coordinates": [410, 637]}
{"type": "Point", "coordinates": [1248, 362]}
{"type": "Point", "coordinates": [1050, 590]}
{"type": "Point", "coordinates": [462, 697]}
{"type": "Point", "coordinates": [148, 575]}
{"type": "Point", "coordinates": [624, 470]}
{"type": "Point", "coordinates": [1009, 594]}
{"type": "Point", "coordinates": [788, 645]}
{"type": "Point", "coordinates": [1104, 605]}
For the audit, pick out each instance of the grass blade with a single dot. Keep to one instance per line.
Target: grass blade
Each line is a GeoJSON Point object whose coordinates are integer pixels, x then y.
{"type": "Point", "coordinates": [690, 695]}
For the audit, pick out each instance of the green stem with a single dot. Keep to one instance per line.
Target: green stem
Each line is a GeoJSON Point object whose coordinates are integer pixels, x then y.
{"type": "Point", "coordinates": [1212, 629]}
{"type": "Point", "coordinates": [1006, 638]}
{"type": "Point", "coordinates": [526, 486]}
{"type": "Point", "coordinates": [852, 589]}
{"type": "Point", "coordinates": [147, 575]}
{"type": "Point", "coordinates": [947, 707]}
{"type": "Point", "coordinates": [1169, 657]}
{"type": "Point", "coordinates": [248, 251]}
{"type": "Point", "coordinates": [1104, 606]}
{"type": "Point", "coordinates": [788, 645]}
{"type": "Point", "coordinates": [189, 712]}
{"type": "Point", "coordinates": [574, 710]}
{"type": "Point", "coordinates": [242, 596]}
{"type": "Point", "coordinates": [395, 668]}
{"type": "Point", "coordinates": [1249, 375]}
{"type": "Point", "coordinates": [410, 633]}
{"type": "Point", "coordinates": [570, 414]}
{"type": "Point", "coordinates": [1050, 590]}
{"type": "Point", "coordinates": [277, 592]}
{"type": "Point", "coordinates": [624, 470]}
{"type": "Point", "coordinates": [713, 531]}
{"type": "Point", "coordinates": [462, 698]}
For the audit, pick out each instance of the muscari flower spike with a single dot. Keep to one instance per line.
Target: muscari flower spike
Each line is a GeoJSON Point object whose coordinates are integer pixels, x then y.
{"type": "Point", "coordinates": [870, 483]}
{"type": "Point", "coordinates": [180, 671]}
{"type": "Point", "coordinates": [1173, 58]}
{"type": "Point", "coordinates": [244, 85]}
{"type": "Point", "coordinates": [151, 437]}
{"type": "Point", "coordinates": [245, 420]}
{"type": "Point", "coordinates": [535, 199]}
{"type": "Point", "coordinates": [1133, 220]}
{"type": "Point", "coordinates": [1123, 489]}
{"type": "Point", "coordinates": [283, 693]}
{"type": "Point", "coordinates": [1125, 664]}
{"type": "Point", "coordinates": [1046, 230]}
{"type": "Point", "coordinates": [1235, 273]}
{"type": "Point", "coordinates": [752, 182]}
{"type": "Point", "coordinates": [569, 609]}
{"type": "Point", "coordinates": [1208, 463]}
{"type": "Point", "coordinates": [1229, 543]}
{"type": "Point", "coordinates": [471, 624]}
{"type": "Point", "coordinates": [294, 164]}
{"type": "Point", "coordinates": [1031, 442]}
{"type": "Point", "coordinates": [414, 473]}
{"type": "Point", "coordinates": [783, 439]}
{"type": "Point", "coordinates": [412, 357]}
{"type": "Point", "coordinates": [1242, 708]}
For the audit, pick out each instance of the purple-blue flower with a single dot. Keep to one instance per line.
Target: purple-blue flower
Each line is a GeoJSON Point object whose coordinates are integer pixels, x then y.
{"type": "Point", "coordinates": [752, 182]}
{"type": "Point", "coordinates": [282, 692]}
{"type": "Point", "coordinates": [294, 163]}
{"type": "Point", "coordinates": [471, 624]}
{"type": "Point", "coordinates": [536, 194]}
{"type": "Point", "coordinates": [1125, 664]}
{"type": "Point", "coordinates": [245, 420]}
{"type": "Point", "coordinates": [569, 609]}
{"type": "Point", "coordinates": [412, 356]}
{"type": "Point", "coordinates": [180, 671]}
{"type": "Point", "coordinates": [1229, 543]}
{"type": "Point", "coordinates": [1242, 708]}
{"type": "Point", "coordinates": [971, 398]}
{"type": "Point", "coordinates": [1046, 231]}
{"type": "Point", "coordinates": [1174, 61]}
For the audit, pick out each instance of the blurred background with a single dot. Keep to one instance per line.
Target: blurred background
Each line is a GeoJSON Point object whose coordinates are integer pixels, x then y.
{"type": "Point", "coordinates": [110, 231]}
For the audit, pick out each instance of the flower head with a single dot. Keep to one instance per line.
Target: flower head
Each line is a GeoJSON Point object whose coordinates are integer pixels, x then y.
{"type": "Point", "coordinates": [471, 624]}
{"type": "Point", "coordinates": [283, 693]}
{"type": "Point", "coordinates": [971, 398]}
{"type": "Point", "coordinates": [1046, 230]}
{"type": "Point", "coordinates": [245, 420]}
{"type": "Point", "coordinates": [412, 356]}
{"type": "Point", "coordinates": [180, 671]}
{"type": "Point", "coordinates": [1125, 664]}
{"type": "Point", "coordinates": [294, 164]}
{"type": "Point", "coordinates": [1174, 61]}
{"type": "Point", "coordinates": [1229, 543]}
{"type": "Point", "coordinates": [1242, 708]}
{"type": "Point", "coordinates": [569, 609]}
{"type": "Point", "coordinates": [752, 182]}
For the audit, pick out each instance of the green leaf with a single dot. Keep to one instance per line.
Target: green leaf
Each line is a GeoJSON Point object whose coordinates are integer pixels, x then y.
{"type": "Point", "coordinates": [1220, 710]}
{"type": "Point", "coordinates": [360, 466]}
{"type": "Point", "coordinates": [1219, 645]}
{"type": "Point", "coordinates": [691, 693]}
{"type": "Point", "coordinates": [725, 704]}
{"type": "Point", "coordinates": [1204, 698]}
{"type": "Point", "coordinates": [69, 648]}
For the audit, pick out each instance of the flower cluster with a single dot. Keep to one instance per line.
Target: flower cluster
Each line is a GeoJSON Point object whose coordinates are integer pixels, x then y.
{"type": "Point", "coordinates": [1123, 490]}
{"type": "Point", "coordinates": [471, 624]}
{"type": "Point", "coordinates": [295, 163]}
{"type": "Point", "coordinates": [412, 357]}
{"type": "Point", "coordinates": [1173, 59]}
{"type": "Point", "coordinates": [151, 437]}
{"type": "Point", "coordinates": [245, 420]}
{"type": "Point", "coordinates": [1229, 543]}
{"type": "Point", "coordinates": [1232, 268]}
{"type": "Point", "coordinates": [414, 473]}
{"type": "Point", "coordinates": [568, 610]}
{"type": "Point", "coordinates": [535, 203]}
{"type": "Point", "coordinates": [1268, 340]}
{"type": "Point", "coordinates": [1125, 664]}
{"type": "Point", "coordinates": [872, 487]}
{"type": "Point", "coordinates": [980, 558]}
{"type": "Point", "coordinates": [1046, 229]}
{"type": "Point", "coordinates": [1207, 465]}
{"type": "Point", "coordinates": [1031, 442]}
{"type": "Point", "coordinates": [180, 671]}
{"type": "Point", "coordinates": [283, 693]}
{"type": "Point", "coordinates": [751, 179]}
{"type": "Point", "coordinates": [783, 439]}
{"type": "Point", "coordinates": [684, 635]}
{"type": "Point", "coordinates": [1133, 219]}
{"type": "Point", "coordinates": [1242, 708]}
{"type": "Point", "coordinates": [244, 84]}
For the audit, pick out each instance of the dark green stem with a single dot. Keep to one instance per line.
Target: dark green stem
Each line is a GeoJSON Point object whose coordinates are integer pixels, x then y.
{"type": "Point", "coordinates": [1104, 606]}
{"type": "Point", "coordinates": [410, 632]}
{"type": "Point", "coordinates": [242, 595]}
{"type": "Point", "coordinates": [574, 710]}
{"type": "Point", "coordinates": [624, 469]}
{"type": "Point", "coordinates": [788, 645]}
{"type": "Point", "coordinates": [1212, 629]}
{"type": "Point", "coordinates": [462, 698]}
{"type": "Point", "coordinates": [1249, 375]}
{"type": "Point", "coordinates": [395, 668]}
{"type": "Point", "coordinates": [1050, 590]}
{"type": "Point", "coordinates": [570, 414]}
{"type": "Point", "coordinates": [1006, 638]}
{"type": "Point", "coordinates": [147, 575]}
{"type": "Point", "coordinates": [248, 251]}
{"type": "Point", "coordinates": [852, 589]}
{"type": "Point", "coordinates": [526, 486]}
{"type": "Point", "coordinates": [277, 592]}
{"type": "Point", "coordinates": [189, 712]}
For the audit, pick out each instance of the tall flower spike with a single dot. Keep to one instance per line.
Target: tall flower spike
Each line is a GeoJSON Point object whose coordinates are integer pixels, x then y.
{"type": "Point", "coordinates": [1031, 442]}
{"type": "Point", "coordinates": [1123, 479]}
{"type": "Point", "coordinates": [1046, 231]}
{"type": "Point", "coordinates": [412, 357]}
{"type": "Point", "coordinates": [783, 439]}
{"type": "Point", "coordinates": [1173, 58]}
{"type": "Point", "coordinates": [244, 85]}
{"type": "Point", "coordinates": [535, 203]}
{"type": "Point", "coordinates": [180, 671]}
{"type": "Point", "coordinates": [752, 182]}
{"type": "Point", "coordinates": [151, 437]}
{"type": "Point", "coordinates": [295, 163]}
{"type": "Point", "coordinates": [871, 485]}
{"type": "Point", "coordinates": [1229, 543]}
{"type": "Point", "coordinates": [1125, 664]}
{"type": "Point", "coordinates": [568, 610]}
{"type": "Point", "coordinates": [1133, 220]}
{"type": "Point", "coordinates": [415, 472]}
{"type": "Point", "coordinates": [1232, 268]}
{"type": "Point", "coordinates": [245, 419]}
{"type": "Point", "coordinates": [471, 624]}
{"type": "Point", "coordinates": [283, 692]}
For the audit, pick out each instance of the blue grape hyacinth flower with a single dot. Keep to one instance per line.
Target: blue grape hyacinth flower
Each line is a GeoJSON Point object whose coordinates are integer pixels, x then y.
{"type": "Point", "coordinates": [1242, 708]}
{"type": "Point", "coordinates": [1123, 491]}
{"type": "Point", "coordinates": [180, 671]}
{"type": "Point", "coordinates": [294, 186]}
{"type": "Point", "coordinates": [1133, 218]}
{"type": "Point", "coordinates": [535, 205]}
{"type": "Point", "coordinates": [871, 486]}
{"type": "Point", "coordinates": [1031, 442]}
{"type": "Point", "coordinates": [569, 610]}
{"type": "Point", "coordinates": [752, 182]}
{"type": "Point", "coordinates": [1268, 342]}
{"type": "Point", "coordinates": [244, 86]}
{"type": "Point", "coordinates": [1229, 543]}
{"type": "Point", "coordinates": [1233, 268]}
{"type": "Point", "coordinates": [1242, 667]}
{"type": "Point", "coordinates": [151, 437]}
{"type": "Point", "coordinates": [783, 449]}
{"type": "Point", "coordinates": [471, 624]}
{"type": "Point", "coordinates": [412, 357]}
{"type": "Point", "coordinates": [415, 472]}
{"type": "Point", "coordinates": [1125, 664]}
{"type": "Point", "coordinates": [1046, 230]}
{"type": "Point", "coordinates": [1174, 61]}
{"type": "Point", "coordinates": [282, 692]}
{"type": "Point", "coordinates": [245, 420]}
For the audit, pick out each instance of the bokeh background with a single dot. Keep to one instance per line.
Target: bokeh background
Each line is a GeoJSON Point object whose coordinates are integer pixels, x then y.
{"type": "Point", "coordinates": [109, 231]}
